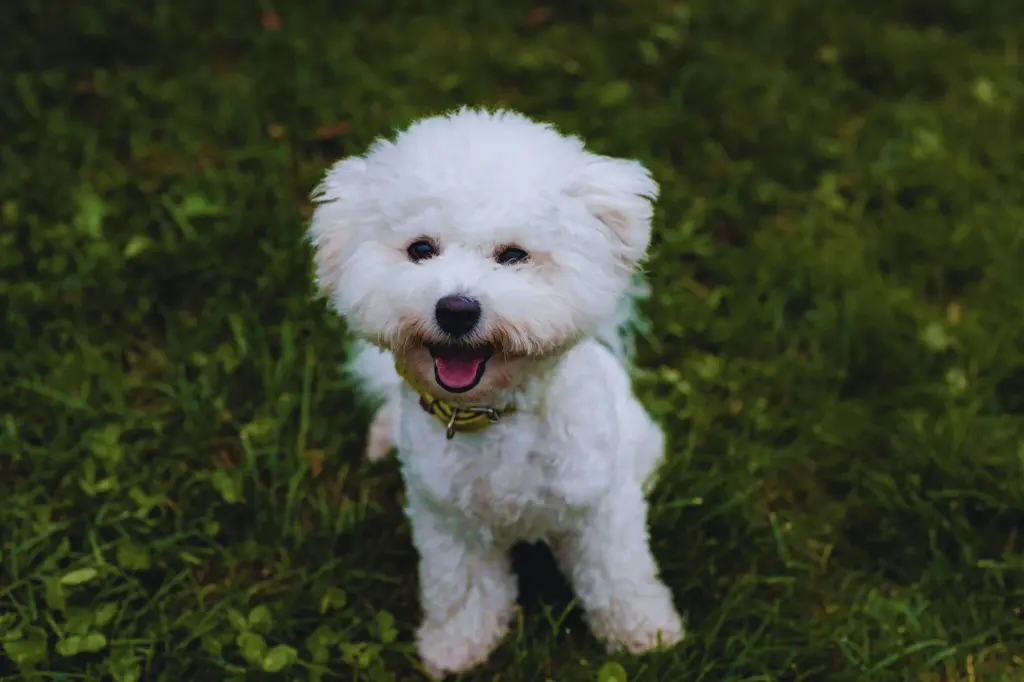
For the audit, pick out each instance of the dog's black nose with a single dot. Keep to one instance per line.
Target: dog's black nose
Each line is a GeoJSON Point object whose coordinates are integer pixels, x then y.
{"type": "Point", "coordinates": [457, 315]}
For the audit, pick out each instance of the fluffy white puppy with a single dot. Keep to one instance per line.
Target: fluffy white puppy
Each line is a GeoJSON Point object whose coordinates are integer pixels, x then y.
{"type": "Point", "coordinates": [485, 259]}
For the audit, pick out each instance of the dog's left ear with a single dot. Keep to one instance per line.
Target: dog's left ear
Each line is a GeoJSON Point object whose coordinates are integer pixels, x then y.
{"type": "Point", "coordinates": [336, 218]}
{"type": "Point", "coordinates": [620, 193]}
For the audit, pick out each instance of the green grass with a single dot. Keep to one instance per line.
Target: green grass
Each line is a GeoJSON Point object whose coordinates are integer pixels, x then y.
{"type": "Point", "coordinates": [838, 351]}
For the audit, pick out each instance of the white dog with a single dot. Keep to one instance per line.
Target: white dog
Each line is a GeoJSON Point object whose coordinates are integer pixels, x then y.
{"type": "Point", "coordinates": [487, 258]}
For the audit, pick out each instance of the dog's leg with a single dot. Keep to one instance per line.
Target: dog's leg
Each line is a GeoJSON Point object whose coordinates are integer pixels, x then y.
{"type": "Point", "coordinates": [608, 560]}
{"type": "Point", "coordinates": [651, 453]}
{"type": "Point", "coordinates": [378, 440]}
{"type": "Point", "coordinates": [468, 592]}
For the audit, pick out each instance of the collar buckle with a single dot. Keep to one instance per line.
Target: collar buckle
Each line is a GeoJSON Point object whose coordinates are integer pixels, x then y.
{"type": "Point", "coordinates": [491, 413]}
{"type": "Point", "coordinates": [492, 416]}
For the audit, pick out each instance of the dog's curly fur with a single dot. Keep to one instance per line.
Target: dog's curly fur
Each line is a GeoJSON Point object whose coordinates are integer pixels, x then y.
{"type": "Point", "coordinates": [571, 465]}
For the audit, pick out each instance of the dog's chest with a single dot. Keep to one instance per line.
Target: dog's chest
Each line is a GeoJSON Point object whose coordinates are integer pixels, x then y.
{"type": "Point", "coordinates": [511, 487]}
{"type": "Point", "coordinates": [516, 492]}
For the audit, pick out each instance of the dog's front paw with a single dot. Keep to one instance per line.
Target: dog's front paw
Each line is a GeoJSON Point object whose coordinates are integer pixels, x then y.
{"type": "Point", "coordinates": [452, 649]}
{"type": "Point", "coordinates": [653, 636]}
{"type": "Point", "coordinates": [639, 625]}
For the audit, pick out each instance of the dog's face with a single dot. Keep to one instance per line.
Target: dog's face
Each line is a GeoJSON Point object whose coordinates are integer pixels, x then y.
{"type": "Point", "coordinates": [477, 245]}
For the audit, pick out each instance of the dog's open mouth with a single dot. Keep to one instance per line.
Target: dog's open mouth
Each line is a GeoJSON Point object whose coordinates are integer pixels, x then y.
{"type": "Point", "coordinates": [458, 369]}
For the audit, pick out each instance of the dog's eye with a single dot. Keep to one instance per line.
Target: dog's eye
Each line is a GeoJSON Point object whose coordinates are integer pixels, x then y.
{"type": "Point", "coordinates": [510, 255]}
{"type": "Point", "coordinates": [421, 250]}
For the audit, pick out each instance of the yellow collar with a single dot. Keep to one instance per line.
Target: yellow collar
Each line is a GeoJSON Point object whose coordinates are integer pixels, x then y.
{"type": "Point", "coordinates": [472, 419]}
{"type": "Point", "coordinates": [461, 419]}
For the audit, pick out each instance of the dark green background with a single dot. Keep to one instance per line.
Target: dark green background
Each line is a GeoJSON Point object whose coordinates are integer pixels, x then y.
{"type": "Point", "coordinates": [837, 344]}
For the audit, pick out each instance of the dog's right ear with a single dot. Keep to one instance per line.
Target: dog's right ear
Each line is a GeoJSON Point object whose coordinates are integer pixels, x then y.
{"type": "Point", "coordinates": [337, 199]}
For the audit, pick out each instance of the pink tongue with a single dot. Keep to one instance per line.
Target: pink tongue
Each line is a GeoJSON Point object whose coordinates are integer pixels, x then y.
{"type": "Point", "coordinates": [457, 371]}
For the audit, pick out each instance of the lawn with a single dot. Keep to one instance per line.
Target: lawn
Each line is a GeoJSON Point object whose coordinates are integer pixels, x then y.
{"type": "Point", "coordinates": [837, 348]}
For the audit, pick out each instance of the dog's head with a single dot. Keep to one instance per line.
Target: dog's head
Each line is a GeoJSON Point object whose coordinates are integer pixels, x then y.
{"type": "Point", "coordinates": [477, 244]}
